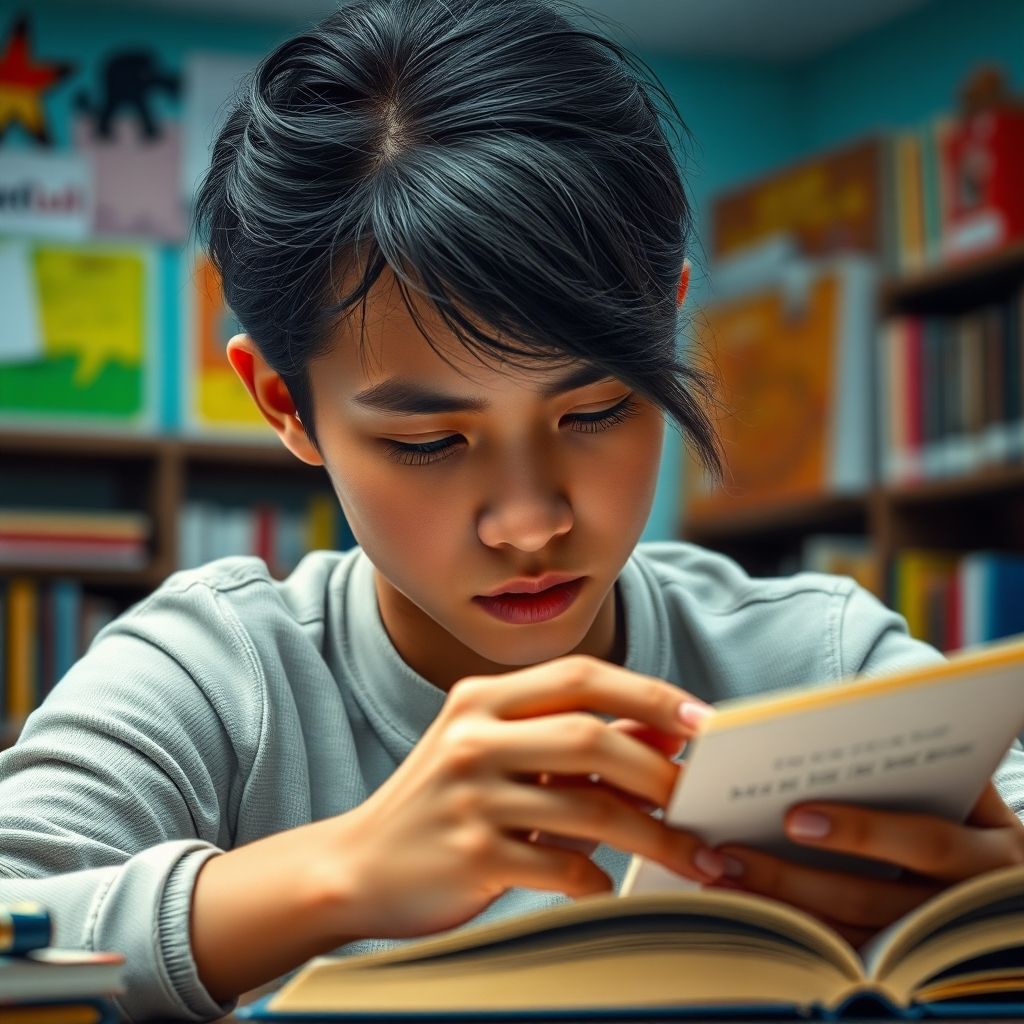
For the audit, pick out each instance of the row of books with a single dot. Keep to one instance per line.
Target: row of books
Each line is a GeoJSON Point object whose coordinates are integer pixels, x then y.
{"type": "Point", "coordinates": [951, 599]}
{"type": "Point", "coordinates": [954, 187]}
{"type": "Point", "coordinates": [957, 599]}
{"type": "Point", "coordinates": [278, 534]}
{"type": "Point", "coordinates": [42, 983]}
{"type": "Point", "coordinates": [950, 391]}
{"type": "Point", "coordinates": [74, 539]}
{"type": "Point", "coordinates": [45, 627]}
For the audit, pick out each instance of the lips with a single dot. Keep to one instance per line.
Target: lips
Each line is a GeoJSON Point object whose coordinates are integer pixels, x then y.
{"type": "Point", "coordinates": [530, 608]}
{"type": "Point", "coordinates": [536, 585]}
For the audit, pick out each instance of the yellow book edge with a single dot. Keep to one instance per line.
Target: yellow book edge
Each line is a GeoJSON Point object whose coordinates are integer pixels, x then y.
{"type": "Point", "coordinates": [747, 710]}
{"type": "Point", "coordinates": [737, 949]}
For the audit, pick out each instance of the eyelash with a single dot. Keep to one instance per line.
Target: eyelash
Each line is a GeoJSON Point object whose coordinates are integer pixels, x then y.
{"type": "Point", "coordinates": [436, 451]}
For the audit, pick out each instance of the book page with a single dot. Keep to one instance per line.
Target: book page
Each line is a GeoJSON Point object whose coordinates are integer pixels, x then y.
{"type": "Point", "coordinates": [925, 741]}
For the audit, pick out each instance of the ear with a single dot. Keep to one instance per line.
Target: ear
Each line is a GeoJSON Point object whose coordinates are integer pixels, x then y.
{"type": "Point", "coordinates": [270, 393]}
{"type": "Point", "coordinates": [684, 283]}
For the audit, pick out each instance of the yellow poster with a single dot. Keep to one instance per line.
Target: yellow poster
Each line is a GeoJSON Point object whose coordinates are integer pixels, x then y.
{"type": "Point", "coordinates": [96, 317]}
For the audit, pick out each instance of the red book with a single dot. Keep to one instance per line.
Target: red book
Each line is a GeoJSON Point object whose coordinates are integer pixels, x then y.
{"type": "Point", "coordinates": [265, 532]}
{"type": "Point", "coordinates": [983, 161]}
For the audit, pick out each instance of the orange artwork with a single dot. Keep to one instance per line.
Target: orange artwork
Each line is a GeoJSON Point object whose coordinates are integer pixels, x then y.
{"type": "Point", "coordinates": [829, 203]}
{"type": "Point", "coordinates": [218, 399]}
{"type": "Point", "coordinates": [776, 370]}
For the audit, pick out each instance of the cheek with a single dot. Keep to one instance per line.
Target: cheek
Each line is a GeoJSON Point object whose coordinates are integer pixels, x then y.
{"type": "Point", "coordinates": [619, 483]}
{"type": "Point", "coordinates": [395, 512]}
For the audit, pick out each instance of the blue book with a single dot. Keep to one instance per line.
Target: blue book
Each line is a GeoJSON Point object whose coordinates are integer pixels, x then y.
{"type": "Point", "coordinates": [1004, 596]}
{"type": "Point", "coordinates": [67, 614]}
{"type": "Point", "coordinates": [673, 955]}
{"type": "Point", "coordinates": [23, 927]}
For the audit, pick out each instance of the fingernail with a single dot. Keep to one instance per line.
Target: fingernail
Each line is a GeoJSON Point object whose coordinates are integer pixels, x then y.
{"type": "Point", "coordinates": [809, 825]}
{"type": "Point", "coordinates": [693, 713]}
{"type": "Point", "coordinates": [708, 861]}
{"type": "Point", "coordinates": [733, 867]}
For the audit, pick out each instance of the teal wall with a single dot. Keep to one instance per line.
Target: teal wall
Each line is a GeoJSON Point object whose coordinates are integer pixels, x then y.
{"type": "Point", "coordinates": [746, 117]}
{"type": "Point", "coordinates": [908, 70]}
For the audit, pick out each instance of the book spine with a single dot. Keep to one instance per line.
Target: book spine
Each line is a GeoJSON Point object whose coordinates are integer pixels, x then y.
{"type": "Point", "coordinates": [67, 610]}
{"type": "Point", "coordinates": [915, 397]}
{"type": "Point", "coordinates": [24, 927]}
{"type": "Point", "coordinates": [22, 668]}
{"type": "Point", "coordinates": [321, 515]}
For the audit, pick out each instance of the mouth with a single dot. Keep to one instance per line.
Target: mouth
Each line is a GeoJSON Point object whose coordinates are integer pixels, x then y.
{"type": "Point", "coordinates": [528, 608]}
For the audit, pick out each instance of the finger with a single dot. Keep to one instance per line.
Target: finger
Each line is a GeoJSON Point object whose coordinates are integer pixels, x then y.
{"type": "Point", "coordinates": [582, 745]}
{"type": "Point", "coordinates": [670, 745]}
{"type": "Point", "coordinates": [578, 683]}
{"type": "Point", "coordinates": [856, 937]}
{"type": "Point", "coordinates": [550, 868]}
{"type": "Point", "coordinates": [589, 782]}
{"type": "Point", "coordinates": [990, 810]}
{"type": "Point", "coordinates": [852, 900]}
{"type": "Point", "coordinates": [598, 815]}
{"type": "Point", "coordinates": [923, 843]}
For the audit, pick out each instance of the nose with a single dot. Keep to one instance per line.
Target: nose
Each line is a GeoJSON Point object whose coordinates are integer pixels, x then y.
{"type": "Point", "coordinates": [524, 509]}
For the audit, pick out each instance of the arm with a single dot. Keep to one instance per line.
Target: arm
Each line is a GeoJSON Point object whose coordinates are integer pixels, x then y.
{"type": "Point", "coordinates": [456, 824]}
{"type": "Point", "coordinates": [109, 805]}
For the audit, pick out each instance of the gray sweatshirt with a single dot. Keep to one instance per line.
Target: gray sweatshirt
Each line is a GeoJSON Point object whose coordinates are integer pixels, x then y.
{"type": "Point", "coordinates": [228, 705]}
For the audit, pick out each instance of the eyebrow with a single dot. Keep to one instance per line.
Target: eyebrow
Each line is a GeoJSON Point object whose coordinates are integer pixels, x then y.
{"type": "Point", "coordinates": [406, 398]}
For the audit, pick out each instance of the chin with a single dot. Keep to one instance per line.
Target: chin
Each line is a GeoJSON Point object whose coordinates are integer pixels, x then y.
{"type": "Point", "coordinates": [519, 649]}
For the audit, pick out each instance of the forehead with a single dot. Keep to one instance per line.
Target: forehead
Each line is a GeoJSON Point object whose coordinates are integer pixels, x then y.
{"type": "Point", "coordinates": [387, 342]}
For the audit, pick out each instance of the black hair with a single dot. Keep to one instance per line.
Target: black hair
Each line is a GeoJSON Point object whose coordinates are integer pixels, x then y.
{"type": "Point", "coordinates": [506, 164]}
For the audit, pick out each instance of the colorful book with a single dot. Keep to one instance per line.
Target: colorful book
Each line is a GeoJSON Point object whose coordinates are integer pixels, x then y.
{"type": "Point", "coordinates": [22, 650]}
{"type": "Point", "coordinates": [794, 356]}
{"type": "Point", "coordinates": [24, 926]}
{"type": "Point", "coordinates": [52, 974]}
{"type": "Point", "coordinates": [77, 1011]}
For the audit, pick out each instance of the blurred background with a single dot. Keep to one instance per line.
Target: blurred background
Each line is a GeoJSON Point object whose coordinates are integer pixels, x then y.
{"type": "Point", "coordinates": [858, 182]}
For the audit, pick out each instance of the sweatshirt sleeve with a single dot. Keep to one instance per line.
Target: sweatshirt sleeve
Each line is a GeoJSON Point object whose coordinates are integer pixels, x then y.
{"type": "Point", "coordinates": [874, 639]}
{"type": "Point", "coordinates": [117, 792]}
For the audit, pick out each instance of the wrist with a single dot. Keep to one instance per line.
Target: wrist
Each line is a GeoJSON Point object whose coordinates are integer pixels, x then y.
{"type": "Point", "coordinates": [278, 888]}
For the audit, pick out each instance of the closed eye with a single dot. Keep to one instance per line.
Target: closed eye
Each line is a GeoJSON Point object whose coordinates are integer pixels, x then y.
{"type": "Point", "coordinates": [582, 422]}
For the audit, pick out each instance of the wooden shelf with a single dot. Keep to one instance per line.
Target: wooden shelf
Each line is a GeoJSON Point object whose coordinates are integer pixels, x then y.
{"type": "Point", "coordinates": [243, 453]}
{"type": "Point", "coordinates": [990, 481]}
{"type": "Point", "coordinates": [819, 514]}
{"type": "Point", "coordinates": [59, 445]}
{"type": "Point", "coordinates": [128, 579]}
{"type": "Point", "coordinates": [958, 286]}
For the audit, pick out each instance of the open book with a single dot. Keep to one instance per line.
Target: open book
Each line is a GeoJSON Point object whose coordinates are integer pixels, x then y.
{"type": "Point", "coordinates": [684, 953]}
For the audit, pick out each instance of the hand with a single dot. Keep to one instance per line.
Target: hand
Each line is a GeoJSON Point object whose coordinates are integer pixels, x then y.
{"type": "Point", "coordinates": [466, 816]}
{"type": "Point", "coordinates": [933, 852]}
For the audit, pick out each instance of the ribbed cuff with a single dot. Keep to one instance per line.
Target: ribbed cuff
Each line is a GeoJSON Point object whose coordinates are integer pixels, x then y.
{"type": "Point", "coordinates": [144, 914]}
{"type": "Point", "coordinates": [173, 925]}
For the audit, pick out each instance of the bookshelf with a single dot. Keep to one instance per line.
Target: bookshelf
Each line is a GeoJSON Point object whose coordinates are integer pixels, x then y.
{"type": "Point", "coordinates": [159, 477]}
{"type": "Point", "coordinates": [152, 475]}
{"type": "Point", "coordinates": [983, 508]}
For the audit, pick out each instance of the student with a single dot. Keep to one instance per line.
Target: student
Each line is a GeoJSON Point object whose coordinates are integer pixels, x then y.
{"type": "Point", "coordinates": [454, 233]}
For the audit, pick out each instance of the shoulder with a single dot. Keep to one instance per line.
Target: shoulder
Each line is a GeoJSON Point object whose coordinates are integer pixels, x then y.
{"type": "Point", "coordinates": [226, 634]}
{"type": "Point", "coordinates": [721, 585]}
{"type": "Point", "coordinates": [231, 595]}
{"type": "Point", "coordinates": [756, 633]}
